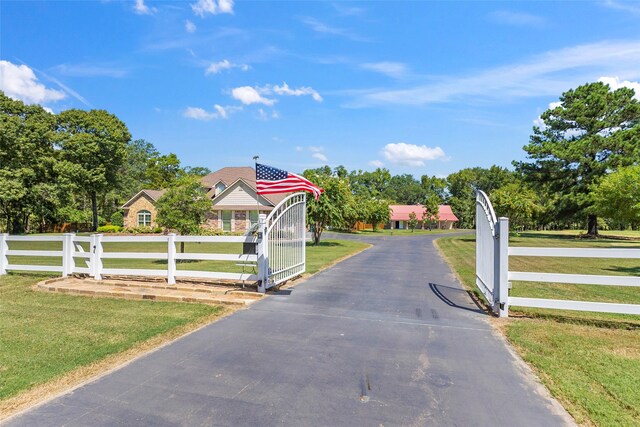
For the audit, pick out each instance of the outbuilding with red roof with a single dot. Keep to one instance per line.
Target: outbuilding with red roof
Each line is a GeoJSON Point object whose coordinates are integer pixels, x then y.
{"type": "Point", "coordinates": [400, 217]}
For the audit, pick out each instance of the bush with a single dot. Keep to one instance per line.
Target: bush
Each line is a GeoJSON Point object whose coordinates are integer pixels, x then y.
{"type": "Point", "coordinates": [143, 230]}
{"type": "Point", "coordinates": [109, 229]}
{"type": "Point", "coordinates": [117, 218]}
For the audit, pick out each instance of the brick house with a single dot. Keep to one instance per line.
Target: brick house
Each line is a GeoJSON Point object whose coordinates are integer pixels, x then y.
{"type": "Point", "coordinates": [232, 190]}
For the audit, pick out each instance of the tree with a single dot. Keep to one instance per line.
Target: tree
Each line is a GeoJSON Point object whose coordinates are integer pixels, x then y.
{"type": "Point", "coordinates": [92, 149]}
{"type": "Point", "coordinates": [27, 159]}
{"type": "Point", "coordinates": [370, 184]}
{"type": "Point", "coordinates": [593, 131]}
{"type": "Point", "coordinates": [413, 221]}
{"type": "Point", "coordinates": [134, 174]}
{"type": "Point", "coordinates": [198, 171]}
{"type": "Point", "coordinates": [431, 209]}
{"type": "Point", "coordinates": [164, 171]}
{"type": "Point", "coordinates": [329, 209]}
{"type": "Point", "coordinates": [378, 212]}
{"type": "Point", "coordinates": [517, 202]}
{"type": "Point", "coordinates": [434, 185]}
{"type": "Point", "coordinates": [354, 211]}
{"type": "Point", "coordinates": [183, 207]}
{"type": "Point", "coordinates": [617, 196]}
{"type": "Point", "coordinates": [404, 189]}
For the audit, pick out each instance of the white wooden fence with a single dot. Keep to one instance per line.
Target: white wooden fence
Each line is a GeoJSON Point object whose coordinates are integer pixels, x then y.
{"type": "Point", "coordinates": [93, 265]}
{"type": "Point", "coordinates": [493, 276]}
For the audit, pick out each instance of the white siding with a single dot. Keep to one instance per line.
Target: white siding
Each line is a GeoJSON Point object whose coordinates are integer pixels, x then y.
{"type": "Point", "coordinates": [239, 194]}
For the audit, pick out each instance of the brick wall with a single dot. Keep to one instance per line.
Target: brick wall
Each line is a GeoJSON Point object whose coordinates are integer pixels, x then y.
{"type": "Point", "coordinates": [142, 203]}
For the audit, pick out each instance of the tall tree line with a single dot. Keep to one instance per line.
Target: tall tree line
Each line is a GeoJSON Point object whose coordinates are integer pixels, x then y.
{"type": "Point", "coordinates": [76, 166]}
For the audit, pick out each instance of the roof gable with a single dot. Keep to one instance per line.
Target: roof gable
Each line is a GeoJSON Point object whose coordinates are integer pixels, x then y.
{"type": "Point", "coordinates": [154, 195]}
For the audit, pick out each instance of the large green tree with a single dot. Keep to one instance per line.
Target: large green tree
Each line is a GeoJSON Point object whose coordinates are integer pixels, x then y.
{"type": "Point", "coordinates": [377, 212]}
{"type": "Point", "coordinates": [404, 190]}
{"type": "Point", "coordinates": [183, 207]}
{"type": "Point", "coordinates": [329, 209]}
{"type": "Point", "coordinates": [516, 201]}
{"type": "Point", "coordinates": [28, 186]}
{"type": "Point", "coordinates": [592, 132]}
{"type": "Point", "coordinates": [92, 149]}
{"type": "Point", "coordinates": [617, 196]}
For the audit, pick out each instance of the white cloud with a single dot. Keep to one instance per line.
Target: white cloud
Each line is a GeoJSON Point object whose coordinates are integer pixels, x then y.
{"type": "Point", "coordinates": [376, 163]}
{"type": "Point", "coordinates": [248, 95]}
{"type": "Point", "coordinates": [546, 74]}
{"type": "Point", "coordinates": [410, 154]}
{"type": "Point", "coordinates": [20, 82]}
{"type": "Point", "coordinates": [220, 112]}
{"type": "Point", "coordinates": [204, 7]}
{"type": "Point", "coordinates": [315, 149]}
{"type": "Point", "coordinates": [217, 67]}
{"type": "Point", "coordinates": [615, 83]}
{"type": "Point", "coordinates": [189, 26]}
{"type": "Point", "coordinates": [48, 110]}
{"type": "Point", "coordinates": [320, 156]}
{"type": "Point", "coordinates": [286, 90]}
{"type": "Point", "coordinates": [299, 148]}
{"type": "Point", "coordinates": [391, 69]}
{"type": "Point", "coordinates": [518, 19]}
{"type": "Point", "coordinates": [142, 9]}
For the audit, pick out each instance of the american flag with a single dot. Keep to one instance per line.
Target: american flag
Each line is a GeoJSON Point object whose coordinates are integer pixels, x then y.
{"type": "Point", "coordinates": [270, 180]}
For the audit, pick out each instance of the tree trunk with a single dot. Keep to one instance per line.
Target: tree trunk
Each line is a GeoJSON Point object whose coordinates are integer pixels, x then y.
{"type": "Point", "coordinates": [317, 231]}
{"type": "Point", "coordinates": [373, 226]}
{"type": "Point", "coordinates": [181, 247]}
{"type": "Point", "coordinates": [94, 209]}
{"type": "Point", "coordinates": [592, 227]}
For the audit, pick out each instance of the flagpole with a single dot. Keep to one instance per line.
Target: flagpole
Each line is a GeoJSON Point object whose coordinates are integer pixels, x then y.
{"type": "Point", "coordinates": [255, 160]}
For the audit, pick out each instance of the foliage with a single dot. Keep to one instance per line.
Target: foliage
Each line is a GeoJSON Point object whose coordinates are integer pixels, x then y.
{"type": "Point", "coordinates": [183, 207]}
{"type": "Point", "coordinates": [413, 221]}
{"type": "Point", "coordinates": [354, 211]}
{"type": "Point", "coordinates": [431, 208]}
{"type": "Point", "coordinates": [517, 202]}
{"type": "Point", "coordinates": [109, 229]}
{"type": "Point", "coordinates": [198, 171]}
{"type": "Point", "coordinates": [617, 196]}
{"type": "Point", "coordinates": [163, 171]}
{"type": "Point", "coordinates": [377, 212]}
{"type": "Point", "coordinates": [593, 131]}
{"type": "Point", "coordinates": [463, 184]}
{"type": "Point", "coordinates": [92, 148]}
{"type": "Point", "coordinates": [143, 229]}
{"type": "Point", "coordinates": [369, 184]}
{"type": "Point", "coordinates": [329, 209]}
{"type": "Point", "coordinates": [404, 189]}
{"type": "Point", "coordinates": [117, 218]}
{"type": "Point", "coordinates": [27, 160]}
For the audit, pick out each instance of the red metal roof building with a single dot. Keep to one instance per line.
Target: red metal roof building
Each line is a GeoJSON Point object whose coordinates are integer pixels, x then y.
{"type": "Point", "coordinates": [400, 216]}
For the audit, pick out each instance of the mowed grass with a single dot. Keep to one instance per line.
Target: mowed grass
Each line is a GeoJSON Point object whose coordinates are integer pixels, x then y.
{"type": "Point", "coordinates": [44, 336]}
{"type": "Point", "coordinates": [589, 361]}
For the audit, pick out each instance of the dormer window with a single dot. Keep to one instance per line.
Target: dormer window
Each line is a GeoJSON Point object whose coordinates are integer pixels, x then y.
{"type": "Point", "coordinates": [220, 188]}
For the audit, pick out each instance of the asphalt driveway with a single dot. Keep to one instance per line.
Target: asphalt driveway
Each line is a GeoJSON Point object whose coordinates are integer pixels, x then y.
{"type": "Point", "coordinates": [385, 338]}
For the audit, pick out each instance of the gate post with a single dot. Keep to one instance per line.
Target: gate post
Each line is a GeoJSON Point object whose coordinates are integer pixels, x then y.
{"type": "Point", "coordinates": [96, 256]}
{"type": "Point", "coordinates": [501, 287]}
{"type": "Point", "coordinates": [4, 261]}
{"type": "Point", "coordinates": [263, 254]}
{"type": "Point", "coordinates": [67, 254]}
{"type": "Point", "coordinates": [171, 259]}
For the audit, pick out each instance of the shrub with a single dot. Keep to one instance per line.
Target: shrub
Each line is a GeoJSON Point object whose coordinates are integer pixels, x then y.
{"type": "Point", "coordinates": [109, 229]}
{"type": "Point", "coordinates": [117, 218]}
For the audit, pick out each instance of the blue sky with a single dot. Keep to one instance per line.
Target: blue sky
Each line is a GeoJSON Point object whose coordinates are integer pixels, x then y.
{"type": "Point", "coordinates": [417, 87]}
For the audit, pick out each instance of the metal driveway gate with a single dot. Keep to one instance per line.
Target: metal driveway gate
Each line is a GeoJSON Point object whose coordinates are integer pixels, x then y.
{"type": "Point", "coordinates": [491, 248]}
{"type": "Point", "coordinates": [281, 251]}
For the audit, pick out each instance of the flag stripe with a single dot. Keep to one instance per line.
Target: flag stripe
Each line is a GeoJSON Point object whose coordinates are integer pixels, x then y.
{"type": "Point", "coordinates": [270, 180]}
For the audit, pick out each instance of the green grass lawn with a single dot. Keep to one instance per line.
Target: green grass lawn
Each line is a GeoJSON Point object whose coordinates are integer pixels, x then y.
{"type": "Point", "coordinates": [589, 361]}
{"type": "Point", "coordinates": [44, 336]}
{"type": "Point", "coordinates": [385, 232]}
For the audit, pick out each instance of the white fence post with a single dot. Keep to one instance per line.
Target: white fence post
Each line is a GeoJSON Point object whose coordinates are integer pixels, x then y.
{"type": "Point", "coordinates": [263, 253]}
{"type": "Point", "coordinates": [96, 256]}
{"type": "Point", "coordinates": [4, 261]}
{"type": "Point", "coordinates": [68, 263]}
{"type": "Point", "coordinates": [501, 289]}
{"type": "Point", "coordinates": [171, 259]}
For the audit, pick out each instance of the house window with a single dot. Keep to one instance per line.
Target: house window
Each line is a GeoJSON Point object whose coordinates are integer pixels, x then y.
{"type": "Point", "coordinates": [253, 217]}
{"type": "Point", "coordinates": [220, 188]}
{"type": "Point", "coordinates": [144, 219]}
{"type": "Point", "coordinates": [226, 220]}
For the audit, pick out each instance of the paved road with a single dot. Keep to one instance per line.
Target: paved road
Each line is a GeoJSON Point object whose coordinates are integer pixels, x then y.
{"type": "Point", "coordinates": [385, 338]}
